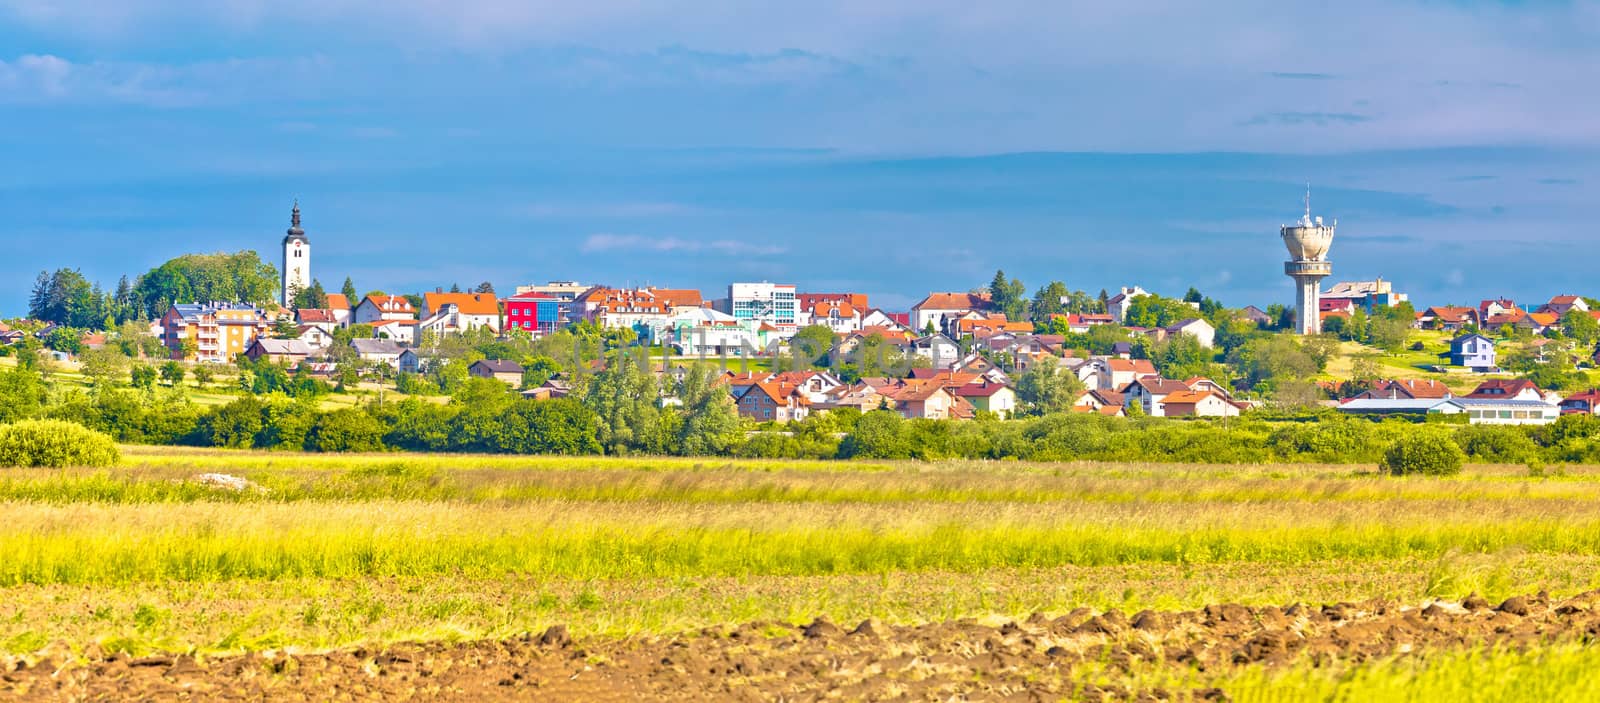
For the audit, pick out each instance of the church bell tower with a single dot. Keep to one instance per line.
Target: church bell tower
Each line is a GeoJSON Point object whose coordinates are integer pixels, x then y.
{"type": "Point", "coordinates": [296, 259]}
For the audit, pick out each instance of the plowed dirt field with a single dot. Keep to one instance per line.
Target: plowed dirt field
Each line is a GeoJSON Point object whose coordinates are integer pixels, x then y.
{"type": "Point", "coordinates": [1044, 657]}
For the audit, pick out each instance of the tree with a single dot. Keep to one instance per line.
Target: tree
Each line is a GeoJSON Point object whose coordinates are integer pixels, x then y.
{"type": "Point", "coordinates": [22, 394]}
{"type": "Point", "coordinates": [484, 287]}
{"type": "Point", "coordinates": [39, 299]}
{"type": "Point", "coordinates": [1270, 360]}
{"type": "Point", "coordinates": [172, 373]}
{"type": "Point", "coordinates": [538, 369]}
{"type": "Point", "coordinates": [1045, 388]}
{"type": "Point", "coordinates": [1050, 299]}
{"type": "Point", "coordinates": [348, 290]}
{"type": "Point", "coordinates": [202, 376]}
{"type": "Point", "coordinates": [1008, 296]}
{"type": "Point", "coordinates": [1581, 326]}
{"type": "Point", "coordinates": [810, 344]}
{"type": "Point", "coordinates": [66, 298]}
{"type": "Point", "coordinates": [1157, 311]}
{"type": "Point", "coordinates": [312, 296]}
{"type": "Point", "coordinates": [557, 426]}
{"type": "Point", "coordinates": [65, 339]}
{"type": "Point", "coordinates": [710, 424]}
{"type": "Point", "coordinates": [240, 277]}
{"type": "Point", "coordinates": [346, 430]}
{"type": "Point", "coordinates": [233, 425]}
{"type": "Point", "coordinates": [1423, 453]}
{"type": "Point", "coordinates": [879, 434]}
{"type": "Point", "coordinates": [103, 366]}
{"type": "Point", "coordinates": [623, 397]}
{"type": "Point", "coordinates": [142, 376]}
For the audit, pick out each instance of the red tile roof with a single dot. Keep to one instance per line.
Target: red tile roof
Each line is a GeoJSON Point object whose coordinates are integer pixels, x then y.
{"type": "Point", "coordinates": [1501, 387]}
{"type": "Point", "coordinates": [391, 304]}
{"type": "Point", "coordinates": [466, 303]}
{"type": "Point", "coordinates": [982, 389]}
{"type": "Point", "coordinates": [954, 301]}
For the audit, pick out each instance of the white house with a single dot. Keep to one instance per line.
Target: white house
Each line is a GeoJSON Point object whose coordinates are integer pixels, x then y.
{"type": "Point", "coordinates": [376, 308]}
{"type": "Point", "coordinates": [1195, 327]}
{"type": "Point", "coordinates": [1150, 394]}
{"type": "Point", "coordinates": [838, 315]}
{"type": "Point", "coordinates": [1198, 403]}
{"type": "Point", "coordinates": [879, 318]}
{"type": "Point", "coordinates": [451, 313]}
{"type": "Point", "coordinates": [1118, 305]}
{"type": "Point", "coordinates": [711, 333]}
{"type": "Point", "coordinates": [377, 350]}
{"type": "Point", "coordinates": [402, 331]}
{"type": "Point", "coordinates": [315, 337]}
{"type": "Point", "coordinates": [938, 349]}
{"type": "Point", "coordinates": [933, 309]}
{"type": "Point", "coordinates": [1113, 374]}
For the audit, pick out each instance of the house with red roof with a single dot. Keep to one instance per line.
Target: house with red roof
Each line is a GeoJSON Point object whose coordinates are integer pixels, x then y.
{"type": "Point", "coordinates": [774, 400]}
{"type": "Point", "coordinates": [1562, 304]}
{"type": "Point", "coordinates": [841, 316]}
{"type": "Point", "coordinates": [924, 399]}
{"type": "Point", "coordinates": [1584, 403]}
{"type": "Point", "coordinates": [340, 307]}
{"type": "Point", "coordinates": [933, 309]}
{"type": "Point", "coordinates": [1406, 389]}
{"type": "Point", "coordinates": [997, 398]}
{"type": "Point", "coordinates": [1114, 374]}
{"type": "Point", "coordinates": [1150, 394]}
{"type": "Point", "coordinates": [453, 313]}
{"type": "Point", "coordinates": [1448, 318]}
{"type": "Point", "coordinates": [375, 308]}
{"type": "Point", "coordinates": [1507, 389]}
{"type": "Point", "coordinates": [1199, 403]}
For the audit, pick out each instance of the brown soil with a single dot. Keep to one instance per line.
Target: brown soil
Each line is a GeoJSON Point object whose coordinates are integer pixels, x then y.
{"type": "Point", "coordinates": [962, 660]}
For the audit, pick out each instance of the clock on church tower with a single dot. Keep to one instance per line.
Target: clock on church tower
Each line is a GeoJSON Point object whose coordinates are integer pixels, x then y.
{"type": "Point", "coordinates": [296, 259]}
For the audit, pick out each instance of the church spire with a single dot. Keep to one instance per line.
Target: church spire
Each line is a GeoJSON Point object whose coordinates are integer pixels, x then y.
{"type": "Point", "coordinates": [294, 221]}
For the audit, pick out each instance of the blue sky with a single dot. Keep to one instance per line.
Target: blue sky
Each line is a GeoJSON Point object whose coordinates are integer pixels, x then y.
{"type": "Point", "coordinates": [891, 147]}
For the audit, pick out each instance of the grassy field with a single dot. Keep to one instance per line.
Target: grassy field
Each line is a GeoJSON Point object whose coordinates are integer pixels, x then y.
{"type": "Point", "coordinates": [338, 550]}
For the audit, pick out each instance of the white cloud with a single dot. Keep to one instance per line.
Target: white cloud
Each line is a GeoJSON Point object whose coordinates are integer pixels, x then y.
{"type": "Point", "coordinates": [596, 243]}
{"type": "Point", "coordinates": [35, 78]}
{"type": "Point", "coordinates": [553, 210]}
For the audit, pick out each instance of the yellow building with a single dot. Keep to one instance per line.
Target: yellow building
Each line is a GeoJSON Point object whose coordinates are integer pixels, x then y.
{"type": "Point", "coordinates": [211, 332]}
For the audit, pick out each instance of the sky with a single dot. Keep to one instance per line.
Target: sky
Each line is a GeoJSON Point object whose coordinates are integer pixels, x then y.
{"type": "Point", "coordinates": [892, 147]}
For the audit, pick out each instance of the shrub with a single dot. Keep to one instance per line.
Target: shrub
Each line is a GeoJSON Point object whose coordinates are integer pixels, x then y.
{"type": "Point", "coordinates": [1428, 454]}
{"type": "Point", "coordinates": [1497, 443]}
{"type": "Point", "coordinates": [55, 444]}
{"type": "Point", "coordinates": [347, 430]}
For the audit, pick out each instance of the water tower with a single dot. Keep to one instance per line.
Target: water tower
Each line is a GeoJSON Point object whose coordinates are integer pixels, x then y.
{"type": "Point", "coordinates": [1308, 241]}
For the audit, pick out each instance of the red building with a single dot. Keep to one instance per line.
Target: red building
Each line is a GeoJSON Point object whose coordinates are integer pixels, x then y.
{"type": "Point", "coordinates": [535, 313]}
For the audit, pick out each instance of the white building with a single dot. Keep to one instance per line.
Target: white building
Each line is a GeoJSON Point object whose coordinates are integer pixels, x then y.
{"type": "Point", "coordinates": [938, 349]}
{"type": "Point", "coordinates": [453, 313]}
{"type": "Point", "coordinates": [1478, 411]}
{"type": "Point", "coordinates": [377, 308]}
{"type": "Point", "coordinates": [296, 259]}
{"type": "Point", "coordinates": [773, 303]}
{"type": "Point", "coordinates": [1195, 327]}
{"type": "Point", "coordinates": [933, 309]}
{"type": "Point", "coordinates": [560, 290]}
{"type": "Point", "coordinates": [712, 333]}
{"type": "Point", "coordinates": [1117, 306]}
